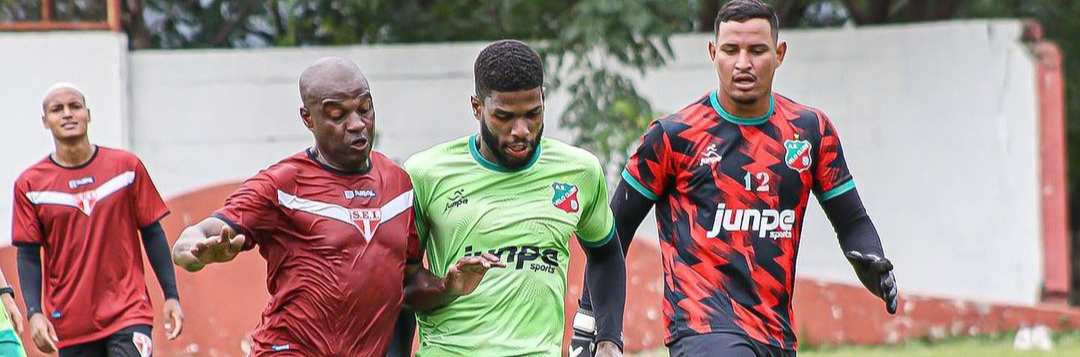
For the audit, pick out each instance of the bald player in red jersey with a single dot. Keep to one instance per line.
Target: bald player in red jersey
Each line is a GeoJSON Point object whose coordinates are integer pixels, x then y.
{"type": "Point", "coordinates": [89, 207]}
{"type": "Point", "coordinates": [335, 225]}
{"type": "Point", "coordinates": [730, 176]}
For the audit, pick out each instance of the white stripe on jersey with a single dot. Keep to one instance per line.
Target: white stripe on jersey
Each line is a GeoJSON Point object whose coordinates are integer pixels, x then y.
{"type": "Point", "coordinates": [85, 200]}
{"type": "Point", "coordinates": [391, 209]}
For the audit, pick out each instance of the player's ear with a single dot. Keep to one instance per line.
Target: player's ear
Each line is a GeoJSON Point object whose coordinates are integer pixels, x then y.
{"type": "Point", "coordinates": [781, 50]}
{"type": "Point", "coordinates": [477, 106]}
{"type": "Point", "coordinates": [712, 51]}
{"type": "Point", "coordinates": [305, 116]}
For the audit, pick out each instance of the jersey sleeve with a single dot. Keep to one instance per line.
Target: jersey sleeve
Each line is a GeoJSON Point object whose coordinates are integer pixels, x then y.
{"type": "Point", "coordinates": [252, 208]}
{"type": "Point", "coordinates": [420, 199]}
{"type": "Point", "coordinates": [597, 224]}
{"type": "Point", "coordinates": [149, 206]}
{"type": "Point", "coordinates": [25, 225]}
{"type": "Point", "coordinates": [648, 170]}
{"type": "Point", "coordinates": [831, 175]}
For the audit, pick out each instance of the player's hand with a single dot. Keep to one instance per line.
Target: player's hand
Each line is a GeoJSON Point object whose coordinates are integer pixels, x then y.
{"type": "Point", "coordinates": [220, 248]}
{"type": "Point", "coordinates": [607, 349]}
{"type": "Point", "coordinates": [174, 319]}
{"type": "Point", "coordinates": [43, 334]}
{"type": "Point", "coordinates": [13, 312]}
{"type": "Point", "coordinates": [581, 344]}
{"type": "Point", "coordinates": [876, 273]}
{"type": "Point", "coordinates": [466, 274]}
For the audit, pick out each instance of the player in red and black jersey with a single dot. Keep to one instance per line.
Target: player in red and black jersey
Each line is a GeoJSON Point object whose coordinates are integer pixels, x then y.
{"type": "Point", "coordinates": [335, 225]}
{"type": "Point", "coordinates": [730, 176]}
{"type": "Point", "coordinates": [87, 206]}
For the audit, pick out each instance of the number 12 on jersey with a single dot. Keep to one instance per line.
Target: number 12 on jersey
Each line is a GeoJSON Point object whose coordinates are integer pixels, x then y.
{"type": "Point", "coordinates": [762, 179]}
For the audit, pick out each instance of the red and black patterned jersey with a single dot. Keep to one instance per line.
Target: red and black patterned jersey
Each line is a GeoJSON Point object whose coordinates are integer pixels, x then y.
{"type": "Point", "coordinates": [336, 245]}
{"type": "Point", "coordinates": [730, 197]}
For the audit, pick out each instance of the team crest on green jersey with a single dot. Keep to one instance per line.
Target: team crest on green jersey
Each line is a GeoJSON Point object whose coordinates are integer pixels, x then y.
{"type": "Point", "coordinates": [565, 197]}
{"type": "Point", "coordinates": [798, 154]}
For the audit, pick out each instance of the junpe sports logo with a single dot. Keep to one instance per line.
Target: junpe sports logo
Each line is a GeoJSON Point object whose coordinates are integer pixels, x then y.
{"type": "Point", "coordinates": [457, 200]}
{"type": "Point", "coordinates": [549, 258]}
{"type": "Point", "coordinates": [775, 224]}
{"type": "Point", "coordinates": [710, 157]}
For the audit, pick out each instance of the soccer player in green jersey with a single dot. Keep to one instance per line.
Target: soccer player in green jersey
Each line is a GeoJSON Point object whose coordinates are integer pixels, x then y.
{"type": "Point", "coordinates": [511, 192]}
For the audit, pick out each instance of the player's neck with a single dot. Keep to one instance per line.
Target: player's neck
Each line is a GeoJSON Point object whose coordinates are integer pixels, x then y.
{"type": "Point", "coordinates": [73, 153]}
{"type": "Point", "coordinates": [345, 169]}
{"type": "Point", "coordinates": [754, 110]}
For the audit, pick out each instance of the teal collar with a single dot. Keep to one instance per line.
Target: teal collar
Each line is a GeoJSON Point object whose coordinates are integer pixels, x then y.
{"type": "Point", "coordinates": [496, 167]}
{"type": "Point", "coordinates": [740, 120]}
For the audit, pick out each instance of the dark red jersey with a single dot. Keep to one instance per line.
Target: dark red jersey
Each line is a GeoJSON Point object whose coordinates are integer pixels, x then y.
{"type": "Point", "coordinates": [730, 197]}
{"type": "Point", "coordinates": [336, 245]}
{"type": "Point", "coordinates": [87, 219]}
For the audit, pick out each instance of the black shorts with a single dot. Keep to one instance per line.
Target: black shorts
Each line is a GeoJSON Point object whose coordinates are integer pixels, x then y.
{"type": "Point", "coordinates": [132, 341]}
{"type": "Point", "coordinates": [725, 344]}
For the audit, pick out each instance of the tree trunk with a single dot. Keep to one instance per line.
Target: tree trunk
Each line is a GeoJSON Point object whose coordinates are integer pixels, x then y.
{"type": "Point", "coordinates": [790, 12]}
{"type": "Point", "coordinates": [706, 15]}
{"type": "Point", "coordinates": [869, 12]}
{"type": "Point", "coordinates": [134, 24]}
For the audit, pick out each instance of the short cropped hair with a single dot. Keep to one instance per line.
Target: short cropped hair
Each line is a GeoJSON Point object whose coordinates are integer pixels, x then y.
{"type": "Point", "coordinates": [507, 66]}
{"type": "Point", "coordinates": [742, 10]}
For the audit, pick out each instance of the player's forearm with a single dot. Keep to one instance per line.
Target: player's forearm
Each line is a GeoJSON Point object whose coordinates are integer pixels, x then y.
{"type": "Point", "coordinates": [425, 291]}
{"type": "Point", "coordinates": [854, 230]}
{"type": "Point", "coordinates": [29, 265]}
{"type": "Point", "coordinates": [630, 209]}
{"type": "Point", "coordinates": [157, 252]}
{"type": "Point", "coordinates": [605, 275]}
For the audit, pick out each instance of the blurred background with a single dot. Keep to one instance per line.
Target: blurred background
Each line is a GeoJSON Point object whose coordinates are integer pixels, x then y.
{"type": "Point", "coordinates": [958, 118]}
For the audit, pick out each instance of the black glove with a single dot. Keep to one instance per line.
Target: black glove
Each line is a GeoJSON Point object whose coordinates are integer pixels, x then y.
{"type": "Point", "coordinates": [876, 274]}
{"type": "Point", "coordinates": [582, 344]}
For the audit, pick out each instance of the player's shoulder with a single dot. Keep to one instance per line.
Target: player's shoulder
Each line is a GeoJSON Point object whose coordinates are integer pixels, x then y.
{"type": "Point", "coordinates": [798, 111]}
{"type": "Point", "coordinates": [572, 157]}
{"type": "Point", "coordinates": [35, 173]}
{"type": "Point", "coordinates": [699, 110]}
{"type": "Point", "coordinates": [288, 167]}
{"type": "Point", "coordinates": [381, 162]}
{"type": "Point", "coordinates": [110, 154]}
{"type": "Point", "coordinates": [433, 157]}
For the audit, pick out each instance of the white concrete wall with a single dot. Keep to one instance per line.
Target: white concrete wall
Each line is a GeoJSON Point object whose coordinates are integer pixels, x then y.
{"type": "Point", "coordinates": [940, 128]}
{"type": "Point", "coordinates": [938, 122]}
{"type": "Point", "coordinates": [29, 64]}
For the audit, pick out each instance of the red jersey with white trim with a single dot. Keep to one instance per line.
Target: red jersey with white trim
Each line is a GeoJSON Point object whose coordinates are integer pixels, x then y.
{"type": "Point", "coordinates": [730, 195]}
{"type": "Point", "coordinates": [336, 245]}
{"type": "Point", "coordinates": [87, 219]}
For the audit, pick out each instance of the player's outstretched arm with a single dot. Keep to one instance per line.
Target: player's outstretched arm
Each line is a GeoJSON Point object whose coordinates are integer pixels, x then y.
{"type": "Point", "coordinates": [209, 241]}
{"type": "Point", "coordinates": [862, 246]}
{"type": "Point", "coordinates": [425, 291]}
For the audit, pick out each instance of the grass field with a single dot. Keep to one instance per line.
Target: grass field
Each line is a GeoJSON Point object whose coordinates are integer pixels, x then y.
{"type": "Point", "coordinates": [1065, 345]}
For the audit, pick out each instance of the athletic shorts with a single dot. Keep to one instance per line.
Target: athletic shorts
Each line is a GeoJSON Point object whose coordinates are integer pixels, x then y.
{"type": "Point", "coordinates": [132, 341]}
{"type": "Point", "coordinates": [725, 344]}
